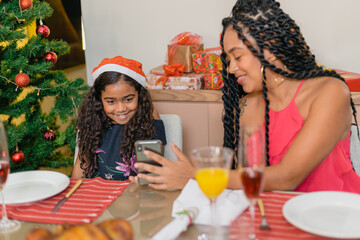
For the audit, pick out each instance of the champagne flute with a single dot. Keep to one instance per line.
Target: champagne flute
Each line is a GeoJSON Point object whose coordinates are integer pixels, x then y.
{"type": "Point", "coordinates": [251, 160]}
{"type": "Point", "coordinates": [6, 225]}
{"type": "Point", "coordinates": [212, 166]}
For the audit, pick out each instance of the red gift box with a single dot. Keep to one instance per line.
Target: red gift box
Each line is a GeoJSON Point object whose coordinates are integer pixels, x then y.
{"type": "Point", "coordinates": [207, 61]}
{"type": "Point", "coordinates": [213, 81]}
{"type": "Point", "coordinates": [187, 81]}
{"type": "Point", "coordinates": [182, 54]}
{"type": "Point", "coordinates": [352, 79]}
{"type": "Point", "coordinates": [182, 47]}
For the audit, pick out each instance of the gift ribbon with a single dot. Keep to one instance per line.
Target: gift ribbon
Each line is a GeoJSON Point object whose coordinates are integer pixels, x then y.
{"type": "Point", "coordinates": [175, 69]}
{"type": "Point", "coordinates": [186, 38]}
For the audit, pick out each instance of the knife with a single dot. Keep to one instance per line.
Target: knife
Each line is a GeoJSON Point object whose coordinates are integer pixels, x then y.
{"type": "Point", "coordinates": [61, 202]}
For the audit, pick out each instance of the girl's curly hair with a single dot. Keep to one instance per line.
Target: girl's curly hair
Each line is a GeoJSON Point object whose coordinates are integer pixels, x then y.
{"type": "Point", "coordinates": [272, 29]}
{"type": "Point", "coordinates": [92, 122]}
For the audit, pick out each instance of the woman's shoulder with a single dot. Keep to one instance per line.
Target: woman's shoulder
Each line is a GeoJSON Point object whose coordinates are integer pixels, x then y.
{"type": "Point", "coordinates": [323, 93]}
{"type": "Point", "coordinates": [328, 87]}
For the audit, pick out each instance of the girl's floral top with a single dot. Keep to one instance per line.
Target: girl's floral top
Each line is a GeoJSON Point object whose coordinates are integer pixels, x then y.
{"type": "Point", "coordinates": [111, 165]}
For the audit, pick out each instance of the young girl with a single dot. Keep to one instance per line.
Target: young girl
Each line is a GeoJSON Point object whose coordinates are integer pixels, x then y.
{"type": "Point", "coordinates": [116, 112]}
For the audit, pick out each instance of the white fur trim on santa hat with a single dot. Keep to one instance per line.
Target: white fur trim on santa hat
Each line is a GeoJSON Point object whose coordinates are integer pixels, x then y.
{"type": "Point", "coordinates": [121, 69]}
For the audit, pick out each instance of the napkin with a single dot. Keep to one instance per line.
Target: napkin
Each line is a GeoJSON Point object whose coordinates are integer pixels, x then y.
{"type": "Point", "coordinates": [229, 204]}
{"type": "Point", "coordinates": [180, 223]}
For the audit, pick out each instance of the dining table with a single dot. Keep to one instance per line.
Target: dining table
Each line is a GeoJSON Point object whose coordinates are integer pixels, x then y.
{"type": "Point", "coordinates": [148, 211]}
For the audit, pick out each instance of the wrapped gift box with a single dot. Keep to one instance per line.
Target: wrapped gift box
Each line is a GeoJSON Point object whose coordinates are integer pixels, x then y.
{"type": "Point", "coordinates": [183, 54]}
{"type": "Point", "coordinates": [187, 81]}
{"type": "Point", "coordinates": [207, 61]}
{"type": "Point", "coordinates": [213, 81]}
{"type": "Point", "coordinates": [352, 79]}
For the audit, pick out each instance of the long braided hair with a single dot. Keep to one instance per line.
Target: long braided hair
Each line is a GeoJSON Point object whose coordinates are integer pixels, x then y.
{"type": "Point", "coordinates": [274, 30]}
{"type": "Point", "coordinates": [92, 121]}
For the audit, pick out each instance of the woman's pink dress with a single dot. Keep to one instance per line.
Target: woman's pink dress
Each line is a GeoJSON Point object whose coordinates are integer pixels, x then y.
{"type": "Point", "coordinates": [335, 172]}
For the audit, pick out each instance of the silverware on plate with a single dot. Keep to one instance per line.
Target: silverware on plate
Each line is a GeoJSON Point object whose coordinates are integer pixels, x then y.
{"type": "Point", "coordinates": [61, 202]}
{"type": "Point", "coordinates": [263, 224]}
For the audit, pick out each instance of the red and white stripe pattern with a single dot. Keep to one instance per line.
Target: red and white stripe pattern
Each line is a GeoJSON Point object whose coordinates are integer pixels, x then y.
{"type": "Point", "coordinates": [280, 228]}
{"type": "Point", "coordinates": [85, 205]}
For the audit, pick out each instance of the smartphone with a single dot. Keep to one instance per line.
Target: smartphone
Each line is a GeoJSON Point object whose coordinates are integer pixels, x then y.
{"type": "Point", "coordinates": [140, 147]}
{"type": "Point", "coordinates": [151, 145]}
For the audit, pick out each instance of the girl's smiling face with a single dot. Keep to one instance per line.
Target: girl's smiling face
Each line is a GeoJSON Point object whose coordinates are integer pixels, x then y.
{"type": "Point", "coordinates": [120, 101]}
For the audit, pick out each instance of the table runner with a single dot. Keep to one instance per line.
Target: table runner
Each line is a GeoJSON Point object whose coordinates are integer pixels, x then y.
{"type": "Point", "coordinates": [86, 204]}
{"type": "Point", "coordinates": [280, 228]}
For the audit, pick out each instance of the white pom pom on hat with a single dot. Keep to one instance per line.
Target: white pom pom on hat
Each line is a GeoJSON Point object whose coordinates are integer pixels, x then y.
{"type": "Point", "coordinates": [123, 65]}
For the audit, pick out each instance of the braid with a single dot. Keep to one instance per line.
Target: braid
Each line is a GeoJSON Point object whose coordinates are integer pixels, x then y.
{"type": "Point", "coordinates": [272, 29]}
{"type": "Point", "coordinates": [267, 118]}
{"type": "Point", "coordinates": [232, 93]}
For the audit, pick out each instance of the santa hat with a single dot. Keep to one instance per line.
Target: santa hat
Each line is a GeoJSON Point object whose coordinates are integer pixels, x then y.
{"type": "Point", "coordinates": [119, 64]}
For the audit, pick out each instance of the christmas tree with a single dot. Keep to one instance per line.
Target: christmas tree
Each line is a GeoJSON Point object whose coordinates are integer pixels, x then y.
{"type": "Point", "coordinates": [36, 137]}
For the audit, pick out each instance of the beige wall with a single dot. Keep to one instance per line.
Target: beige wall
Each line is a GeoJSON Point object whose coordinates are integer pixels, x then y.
{"type": "Point", "coordinates": [141, 29]}
{"type": "Point", "coordinates": [331, 29]}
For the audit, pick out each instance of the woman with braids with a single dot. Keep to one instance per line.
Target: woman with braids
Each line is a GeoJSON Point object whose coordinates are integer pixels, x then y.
{"type": "Point", "coordinates": [307, 110]}
{"type": "Point", "coordinates": [117, 111]}
{"type": "Point", "coordinates": [271, 78]}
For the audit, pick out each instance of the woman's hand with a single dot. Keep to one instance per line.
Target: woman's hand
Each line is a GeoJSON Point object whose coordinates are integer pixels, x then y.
{"type": "Point", "coordinates": [172, 174]}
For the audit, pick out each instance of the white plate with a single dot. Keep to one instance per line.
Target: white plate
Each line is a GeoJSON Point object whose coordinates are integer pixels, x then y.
{"type": "Point", "coordinates": [326, 213]}
{"type": "Point", "coordinates": [31, 186]}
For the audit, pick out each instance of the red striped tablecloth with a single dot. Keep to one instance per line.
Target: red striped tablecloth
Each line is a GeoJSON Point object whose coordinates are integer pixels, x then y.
{"type": "Point", "coordinates": [86, 204]}
{"type": "Point", "coordinates": [280, 228]}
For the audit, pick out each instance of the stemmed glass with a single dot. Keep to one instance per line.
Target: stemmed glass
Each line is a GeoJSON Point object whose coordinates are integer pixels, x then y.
{"type": "Point", "coordinates": [212, 166]}
{"type": "Point", "coordinates": [6, 225]}
{"type": "Point", "coordinates": [251, 160]}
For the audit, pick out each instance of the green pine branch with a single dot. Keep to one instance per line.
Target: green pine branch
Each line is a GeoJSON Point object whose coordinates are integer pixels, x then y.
{"type": "Point", "coordinates": [13, 17]}
{"type": "Point", "coordinates": [22, 107]}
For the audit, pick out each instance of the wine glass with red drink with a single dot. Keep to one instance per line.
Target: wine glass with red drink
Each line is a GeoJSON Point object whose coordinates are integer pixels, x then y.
{"type": "Point", "coordinates": [6, 225]}
{"type": "Point", "coordinates": [251, 165]}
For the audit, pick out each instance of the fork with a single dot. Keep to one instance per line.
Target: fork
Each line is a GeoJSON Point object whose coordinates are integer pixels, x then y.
{"type": "Point", "coordinates": [263, 224]}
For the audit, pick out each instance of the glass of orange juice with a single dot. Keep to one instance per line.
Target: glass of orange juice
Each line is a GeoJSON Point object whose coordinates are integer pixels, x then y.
{"type": "Point", "coordinates": [212, 172]}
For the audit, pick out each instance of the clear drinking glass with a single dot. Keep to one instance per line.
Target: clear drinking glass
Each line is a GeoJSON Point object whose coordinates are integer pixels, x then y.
{"type": "Point", "coordinates": [6, 225]}
{"type": "Point", "coordinates": [251, 160]}
{"type": "Point", "coordinates": [212, 166]}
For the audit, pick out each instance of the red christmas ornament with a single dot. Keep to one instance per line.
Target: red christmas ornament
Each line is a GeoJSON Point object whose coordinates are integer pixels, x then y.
{"type": "Point", "coordinates": [49, 136]}
{"type": "Point", "coordinates": [50, 57]}
{"type": "Point", "coordinates": [44, 30]}
{"type": "Point", "coordinates": [22, 79]}
{"type": "Point", "coordinates": [17, 157]}
{"type": "Point", "coordinates": [25, 4]}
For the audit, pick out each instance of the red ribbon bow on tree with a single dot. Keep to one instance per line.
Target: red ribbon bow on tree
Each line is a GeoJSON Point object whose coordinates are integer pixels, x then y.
{"type": "Point", "coordinates": [175, 69]}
